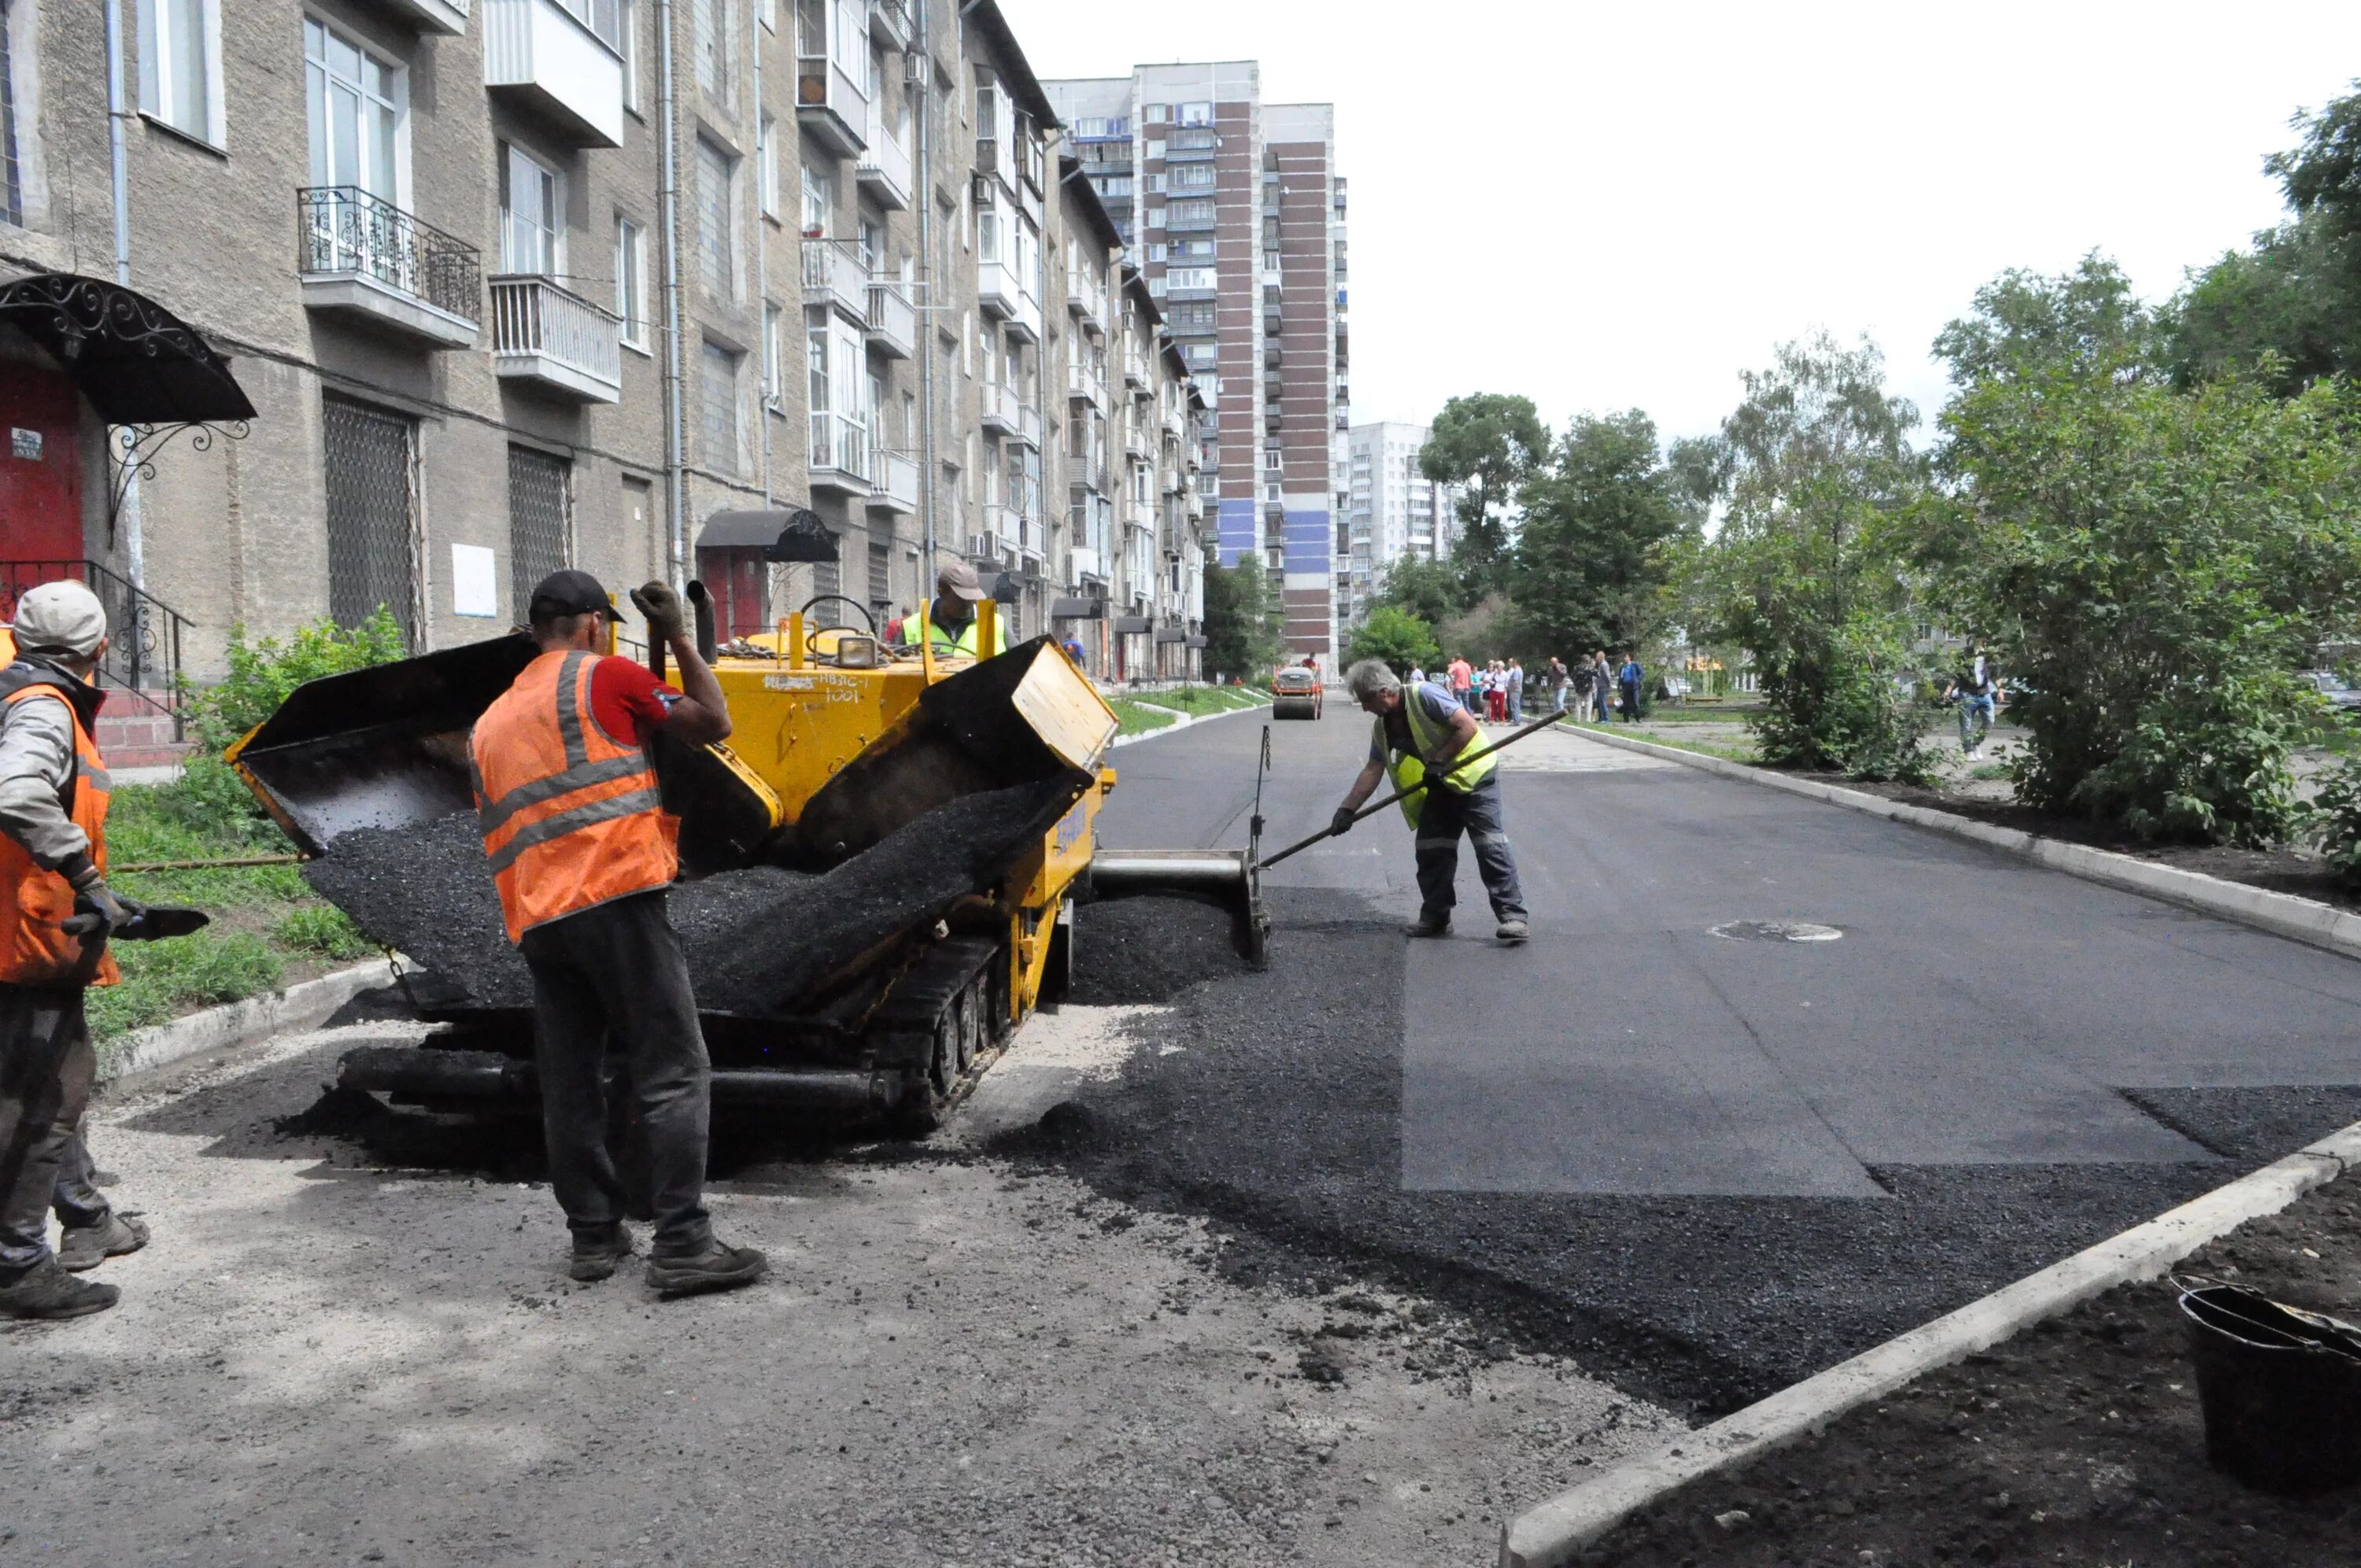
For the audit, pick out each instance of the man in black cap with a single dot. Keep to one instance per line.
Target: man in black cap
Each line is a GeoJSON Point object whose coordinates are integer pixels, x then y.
{"type": "Point", "coordinates": [582, 852]}
{"type": "Point", "coordinates": [952, 618]}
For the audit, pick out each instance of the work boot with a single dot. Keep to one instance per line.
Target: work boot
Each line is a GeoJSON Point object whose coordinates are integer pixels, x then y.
{"type": "Point", "coordinates": [1429, 926]}
{"type": "Point", "coordinates": [718, 1268]}
{"type": "Point", "coordinates": [596, 1254]}
{"type": "Point", "coordinates": [87, 1246]}
{"type": "Point", "coordinates": [47, 1290]}
{"type": "Point", "coordinates": [1511, 932]}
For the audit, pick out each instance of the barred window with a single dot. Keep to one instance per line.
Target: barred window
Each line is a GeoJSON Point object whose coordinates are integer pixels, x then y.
{"type": "Point", "coordinates": [716, 230]}
{"type": "Point", "coordinates": [719, 384]}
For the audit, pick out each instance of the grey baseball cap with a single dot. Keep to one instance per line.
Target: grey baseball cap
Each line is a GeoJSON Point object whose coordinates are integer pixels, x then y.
{"type": "Point", "coordinates": [956, 578]}
{"type": "Point", "coordinates": [61, 617]}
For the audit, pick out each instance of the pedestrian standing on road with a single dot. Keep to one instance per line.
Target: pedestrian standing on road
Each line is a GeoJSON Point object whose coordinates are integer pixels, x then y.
{"type": "Point", "coordinates": [582, 853]}
{"type": "Point", "coordinates": [1516, 692]}
{"type": "Point", "coordinates": [54, 799]}
{"type": "Point", "coordinates": [1420, 732]}
{"type": "Point", "coordinates": [1602, 685]}
{"type": "Point", "coordinates": [1463, 683]}
{"type": "Point", "coordinates": [1630, 682]}
{"type": "Point", "coordinates": [1496, 691]}
{"type": "Point", "coordinates": [1559, 682]}
{"type": "Point", "coordinates": [1976, 688]}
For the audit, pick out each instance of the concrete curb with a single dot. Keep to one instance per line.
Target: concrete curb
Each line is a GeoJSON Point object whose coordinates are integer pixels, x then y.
{"type": "Point", "coordinates": [1180, 721]}
{"type": "Point", "coordinates": [2281, 914]}
{"type": "Point", "coordinates": [1549, 1534]}
{"type": "Point", "coordinates": [299, 1006]}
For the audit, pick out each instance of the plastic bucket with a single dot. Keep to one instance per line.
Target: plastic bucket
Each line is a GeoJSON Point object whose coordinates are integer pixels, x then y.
{"type": "Point", "coordinates": [2280, 1389]}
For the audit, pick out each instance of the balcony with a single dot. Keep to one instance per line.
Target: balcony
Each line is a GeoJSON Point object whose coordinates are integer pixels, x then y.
{"type": "Point", "coordinates": [369, 260]}
{"type": "Point", "coordinates": [830, 106]}
{"type": "Point", "coordinates": [546, 55]}
{"type": "Point", "coordinates": [1137, 443]}
{"type": "Point", "coordinates": [996, 401]}
{"type": "Point", "coordinates": [836, 277]}
{"type": "Point", "coordinates": [556, 340]}
{"type": "Point", "coordinates": [1018, 533]}
{"type": "Point", "coordinates": [840, 455]}
{"type": "Point", "coordinates": [893, 485]}
{"type": "Point", "coordinates": [1085, 565]}
{"type": "Point", "coordinates": [1085, 385]}
{"type": "Point", "coordinates": [891, 22]}
{"type": "Point", "coordinates": [1086, 296]}
{"type": "Point", "coordinates": [893, 321]}
{"type": "Point", "coordinates": [883, 168]}
{"type": "Point", "coordinates": [1004, 293]}
{"type": "Point", "coordinates": [1134, 366]}
{"type": "Point", "coordinates": [447, 16]}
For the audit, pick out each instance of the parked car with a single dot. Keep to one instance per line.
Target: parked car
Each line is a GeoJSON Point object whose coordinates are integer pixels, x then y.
{"type": "Point", "coordinates": [2335, 688]}
{"type": "Point", "coordinates": [1295, 693]}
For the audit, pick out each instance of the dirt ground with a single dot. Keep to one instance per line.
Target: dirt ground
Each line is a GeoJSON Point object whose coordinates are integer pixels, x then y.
{"type": "Point", "coordinates": [2079, 1441]}
{"type": "Point", "coordinates": [326, 1356]}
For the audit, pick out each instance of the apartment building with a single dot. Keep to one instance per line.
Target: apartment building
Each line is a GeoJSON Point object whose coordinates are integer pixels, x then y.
{"type": "Point", "coordinates": [1234, 211]}
{"type": "Point", "coordinates": [1391, 510]}
{"type": "Point", "coordinates": [423, 253]}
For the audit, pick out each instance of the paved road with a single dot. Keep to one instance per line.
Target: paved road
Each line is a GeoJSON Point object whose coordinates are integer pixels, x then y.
{"type": "Point", "coordinates": [1726, 1161]}
{"type": "Point", "coordinates": [1975, 1010]}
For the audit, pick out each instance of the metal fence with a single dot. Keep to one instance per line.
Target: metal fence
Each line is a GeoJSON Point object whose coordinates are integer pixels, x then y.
{"type": "Point", "coordinates": [143, 632]}
{"type": "Point", "coordinates": [342, 229]}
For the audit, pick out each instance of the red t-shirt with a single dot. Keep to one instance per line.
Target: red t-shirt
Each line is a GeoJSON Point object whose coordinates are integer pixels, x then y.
{"type": "Point", "coordinates": [629, 703]}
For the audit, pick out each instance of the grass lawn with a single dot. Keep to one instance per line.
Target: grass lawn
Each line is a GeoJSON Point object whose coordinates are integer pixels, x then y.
{"type": "Point", "coordinates": [269, 929]}
{"type": "Point", "coordinates": [1203, 700]}
{"type": "Point", "coordinates": [1136, 719]}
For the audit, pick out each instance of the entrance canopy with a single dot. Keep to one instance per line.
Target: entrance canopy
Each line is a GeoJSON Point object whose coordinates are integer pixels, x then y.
{"type": "Point", "coordinates": [794, 534]}
{"type": "Point", "coordinates": [137, 362]}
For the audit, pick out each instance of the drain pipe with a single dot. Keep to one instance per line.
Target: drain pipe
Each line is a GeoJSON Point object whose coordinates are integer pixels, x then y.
{"type": "Point", "coordinates": [668, 219]}
{"type": "Point", "coordinates": [770, 346]}
{"type": "Point", "coordinates": [135, 552]}
{"type": "Point", "coordinates": [931, 481]}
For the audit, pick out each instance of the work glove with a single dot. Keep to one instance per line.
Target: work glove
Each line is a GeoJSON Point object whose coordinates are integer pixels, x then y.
{"type": "Point", "coordinates": [100, 911]}
{"type": "Point", "coordinates": [1342, 823]}
{"type": "Point", "coordinates": [662, 606]}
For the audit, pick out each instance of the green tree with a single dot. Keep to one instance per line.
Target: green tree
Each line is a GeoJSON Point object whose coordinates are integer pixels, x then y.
{"type": "Point", "coordinates": [1243, 619]}
{"type": "Point", "coordinates": [1593, 564]}
{"type": "Point", "coordinates": [1398, 637]}
{"type": "Point", "coordinates": [1804, 574]}
{"type": "Point", "coordinates": [1427, 589]}
{"type": "Point", "coordinates": [2086, 321]}
{"type": "Point", "coordinates": [1489, 443]}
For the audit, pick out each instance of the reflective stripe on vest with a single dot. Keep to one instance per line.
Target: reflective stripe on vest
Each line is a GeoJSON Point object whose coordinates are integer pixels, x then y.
{"type": "Point", "coordinates": [33, 951]}
{"type": "Point", "coordinates": [571, 817]}
{"type": "Point", "coordinates": [946, 645]}
{"type": "Point", "coordinates": [1427, 735]}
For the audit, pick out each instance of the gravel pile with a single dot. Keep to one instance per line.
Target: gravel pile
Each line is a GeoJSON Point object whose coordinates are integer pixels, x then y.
{"type": "Point", "coordinates": [758, 940]}
{"type": "Point", "coordinates": [1147, 949]}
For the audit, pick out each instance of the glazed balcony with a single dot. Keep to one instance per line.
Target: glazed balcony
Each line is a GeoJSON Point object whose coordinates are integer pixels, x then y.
{"type": "Point", "coordinates": [556, 340]}
{"type": "Point", "coordinates": [371, 262]}
{"type": "Point", "coordinates": [830, 105]}
{"type": "Point", "coordinates": [563, 61]}
{"type": "Point", "coordinates": [840, 454]}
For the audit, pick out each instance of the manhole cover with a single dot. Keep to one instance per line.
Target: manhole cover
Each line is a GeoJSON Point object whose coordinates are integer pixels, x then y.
{"type": "Point", "coordinates": [1777, 931]}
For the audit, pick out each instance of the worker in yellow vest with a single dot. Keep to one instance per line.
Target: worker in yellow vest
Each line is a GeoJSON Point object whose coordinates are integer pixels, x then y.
{"type": "Point", "coordinates": [54, 799]}
{"type": "Point", "coordinates": [951, 619]}
{"type": "Point", "coordinates": [582, 852]}
{"type": "Point", "coordinates": [1419, 733]}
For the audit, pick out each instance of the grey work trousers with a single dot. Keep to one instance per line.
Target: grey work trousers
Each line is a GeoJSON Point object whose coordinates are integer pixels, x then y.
{"type": "Point", "coordinates": [1444, 816]}
{"type": "Point", "coordinates": [46, 1066]}
{"type": "Point", "coordinates": [613, 977]}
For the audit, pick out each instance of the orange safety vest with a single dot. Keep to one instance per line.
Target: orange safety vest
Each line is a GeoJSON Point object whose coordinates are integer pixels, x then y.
{"type": "Point", "coordinates": [570, 815]}
{"type": "Point", "coordinates": [33, 951]}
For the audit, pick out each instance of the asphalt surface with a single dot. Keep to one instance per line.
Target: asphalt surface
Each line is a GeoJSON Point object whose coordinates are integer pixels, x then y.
{"type": "Point", "coordinates": [1703, 1165]}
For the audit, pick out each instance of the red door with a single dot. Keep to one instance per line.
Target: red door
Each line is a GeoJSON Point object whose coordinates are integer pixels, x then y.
{"type": "Point", "coordinates": [736, 577]}
{"type": "Point", "coordinates": [40, 466]}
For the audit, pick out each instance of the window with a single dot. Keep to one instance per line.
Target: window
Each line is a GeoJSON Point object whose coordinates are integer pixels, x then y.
{"type": "Point", "coordinates": [373, 551]}
{"type": "Point", "coordinates": [770, 167]}
{"type": "Point", "coordinates": [12, 167]}
{"type": "Point", "coordinates": [180, 66]}
{"type": "Point", "coordinates": [1197, 175]}
{"type": "Point", "coordinates": [1156, 252]}
{"type": "Point", "coordinates": [627, 33]}
{"type": "Point", "coordinates": [353, 102]}
{"type": "Point", "coordinates": [603, 17]}
{"type": "Point", "coordinates": [718, 388]}
{"type": "Point", "coordinates": [1154, 114]}
{"type": "Point", "coordinates": [711, 44]}
{"type": "Point", "coordinates": [819, 202]}
{"type": "Point", "coordinates": [532, 215]}
{"type": "Point", "coordinates": [1195, 115]}
{"type": "Point", "coordinates": [632, 280]}
{"type": "Point", "coordinates": [716, 236]}
{"type": "Point", "coordinates": [541, 532]}
{"type": "Point", "coordinates": [773, 322]}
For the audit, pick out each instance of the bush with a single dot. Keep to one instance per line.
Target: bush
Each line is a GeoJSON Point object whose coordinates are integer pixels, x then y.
{"type": "Point", "coordinates": [262, 674]}
{"type": "Point", "coordinates": [1831, 701]}
{"type": "Point", "coordinates": [2209, 765]}
{"type": "Point", "coordinates": [2336, 814]}
{"type": "Point", "coordinates": [1401, 640]}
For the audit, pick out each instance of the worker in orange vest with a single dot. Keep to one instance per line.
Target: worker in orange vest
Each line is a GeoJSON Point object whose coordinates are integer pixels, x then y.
{"type": "Point", "coordinates": [582, 852]}
{"type": "Point", "coordinates": [53, 798]}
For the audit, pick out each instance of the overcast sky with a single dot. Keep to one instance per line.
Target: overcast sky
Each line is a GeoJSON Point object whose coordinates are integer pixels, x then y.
{"type": "Point", "coordinates": [1613, 206]}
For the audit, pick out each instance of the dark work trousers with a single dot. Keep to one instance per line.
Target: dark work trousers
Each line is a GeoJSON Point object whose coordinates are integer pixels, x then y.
{"type": "Point", "coordinates": [613, 977]}
{"type": "Point", "coordinates": [1447, 813]}
{"type": "Point", "coordinates": [46, 1065]}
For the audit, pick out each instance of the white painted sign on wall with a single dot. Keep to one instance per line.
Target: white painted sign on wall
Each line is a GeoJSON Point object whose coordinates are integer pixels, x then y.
{"type": "Point", "coordinates": [475, 582]}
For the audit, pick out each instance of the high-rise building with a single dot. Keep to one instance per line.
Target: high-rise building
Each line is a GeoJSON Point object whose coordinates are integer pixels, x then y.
{"type": "Point", "coordinates": [1391, 510]}
{"type": "Point", "coordinates": [1234, 211]}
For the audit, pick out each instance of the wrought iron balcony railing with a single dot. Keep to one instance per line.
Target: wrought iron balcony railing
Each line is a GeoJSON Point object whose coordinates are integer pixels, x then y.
{"type": "Point", "coordinates": [344, 229]}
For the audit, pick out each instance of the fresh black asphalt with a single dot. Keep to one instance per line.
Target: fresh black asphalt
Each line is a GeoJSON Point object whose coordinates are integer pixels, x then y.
{"type": "Point", "coordinates": [1704, 1166]}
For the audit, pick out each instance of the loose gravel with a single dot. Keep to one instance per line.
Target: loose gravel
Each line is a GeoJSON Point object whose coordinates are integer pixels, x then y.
{"type": "Point", "coordinates": [1148, 948]}
{"type": "Point", "coordinates": [1272, 1104]}
{"type": "Point", "coordinates": [2080, 1441]}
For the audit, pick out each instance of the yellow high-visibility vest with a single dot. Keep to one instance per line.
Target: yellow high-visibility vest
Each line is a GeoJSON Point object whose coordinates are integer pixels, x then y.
{"type": "Point", "coordinates": [1426, 734]}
